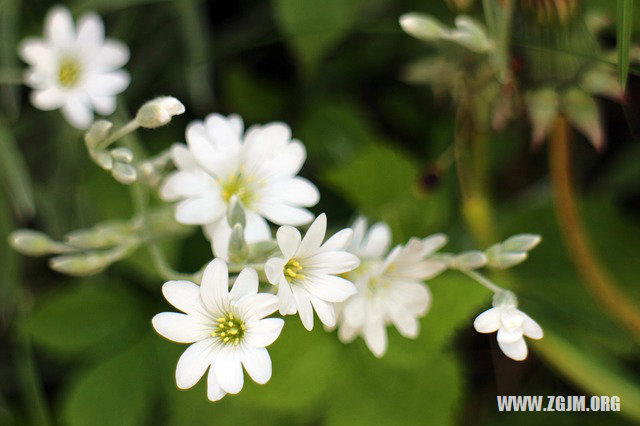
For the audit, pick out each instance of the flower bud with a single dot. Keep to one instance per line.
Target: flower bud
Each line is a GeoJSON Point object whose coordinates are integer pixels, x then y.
{"type": "Point", "coordinates": [543, 106]}
{"type": "Point", "coordinates": [159, 111]}
{"type": "Point", "coordinates": [123, 155]}
{"type": "Point", "coordinates": [235, 213]}
{"type": "Point", "coordinates": [97, 133]}
{"type": "Point", "coordinates": [124, 173]}
{"type": "Point", "coordinates": [33, 243]}
{"type": "Point", "coordinates": [469, 260]}
{"type": "Point", "coordinates": [80, 265]}
{"type": "Point", "coordinates": [582, 112]}
{"type": "Point", "coordinates": [505, 298]}
{"type": "Point", "coordinates": [238, 249]}
{"type": "Point", "coordinates": [103, 159]}
{"type": "Point", "coordinates": [521, 242]}
{"type": "Point", "coordinates": [423, 27]}
{"type": "Point", "coordinates": [471, 35]}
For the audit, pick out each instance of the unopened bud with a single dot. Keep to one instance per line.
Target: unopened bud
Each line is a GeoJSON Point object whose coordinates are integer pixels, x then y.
{"type": "Point", "coordinates": [469, 260]}
{"type": "Point", "coordinates": [471, 35]}
{"type": "Point", "coordinates": [33, 243]}
{"type": "Point", "coordinates": [159, 111]}
{"type": "Point", "coordinates": [97, 133]}
{"type": "Point", "coordinates": [124, 173]}
{"type": "Point", "coordinates": [235, 213]}
{"type": "Point", "coordinates": [238, 249]}
{"type": "Point", "coordinates": [521, 242]}
{"type": "Point", "coordinates": [506, 299]}
{"type": "Point", "coordinates": [423, 27]}
{"type": "Point", "coordinates": [123, 155]}
{"type": "Point", "coordinates": [80, 265]}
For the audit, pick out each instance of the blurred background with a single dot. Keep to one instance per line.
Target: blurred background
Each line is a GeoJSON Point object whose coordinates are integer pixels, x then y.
{"type": "Point", "coordinates": [82, 351]}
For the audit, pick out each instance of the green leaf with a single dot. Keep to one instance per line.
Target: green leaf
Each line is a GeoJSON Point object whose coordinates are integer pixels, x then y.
{"type": "Point", "coordinates": [624, 27]}
{"type": "Point", "coordinates": [314, 27]}
{"type": "Point", "coordinates": [14, 173]}
{"type": "Point", "coordinates": [380, 181]}
{"type": "Point", "coordinates": [116, 392]}
{"type": "Point", "coordinates": [82, 317]}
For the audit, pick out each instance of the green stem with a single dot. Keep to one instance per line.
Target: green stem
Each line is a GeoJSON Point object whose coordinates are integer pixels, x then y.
{"type": "Point", "coordinates": [482, 280]}
{"type": "Point", "coordinates": [131, 126]}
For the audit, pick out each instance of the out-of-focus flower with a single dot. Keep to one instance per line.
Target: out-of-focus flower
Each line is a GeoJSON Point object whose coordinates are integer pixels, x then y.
{"type": "Point", "coordinates": [510, 323]}
{"type": "Point", "coordinates": [75, 69]}
{"type": "Point", "coordinates": [307, 273]}
{"type": "Point", "coordinates": [259, 169]}
{"type": "Point", "coordinates": [390, 289]}
{"type": "Point", "coordinates": [226, 329]}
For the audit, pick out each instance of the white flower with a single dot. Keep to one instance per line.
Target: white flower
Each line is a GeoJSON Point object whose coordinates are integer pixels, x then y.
{"type": "Point", "coordinates": [227, 329]}
{"type": "Point", "coordinates": [77, 71]}
{"type": "Point", "coordinates": [512, 325]}
{"type": "Point", "coordinates": [306, 275]}
{"type": "Point", "coordinates": [390, 289]}
{"type": "Point", "coordinates": [259, 168]}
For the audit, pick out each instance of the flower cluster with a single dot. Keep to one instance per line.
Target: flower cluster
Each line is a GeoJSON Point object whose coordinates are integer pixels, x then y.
{"type": "Point", "coordinates": [237, 185]}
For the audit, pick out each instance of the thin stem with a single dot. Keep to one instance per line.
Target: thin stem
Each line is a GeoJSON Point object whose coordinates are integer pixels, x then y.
{"type": "Point", "coordinates": [595, 276]}
{"type": "Point", "coordinates": [482, 280]}
{"type": "Point", "coordinates": [121, 132]}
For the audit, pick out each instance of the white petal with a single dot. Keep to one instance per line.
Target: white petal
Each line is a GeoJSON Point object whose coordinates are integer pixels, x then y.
{"type": "Point", "coordinates": [214, 288]}
{"type": "Point", "coordinates": [506, 336]}
{"type": "Point", "coordinates": [354, 311]}
{"type": "Point", "coordinates": [222, 132]}
{"type": "Point", "coordinates": [214, 391]}
{"type": "Point", "coordinates": [297, 191]}
{"type": "Point", "coordinates": [516, 350]}
{"type": "Point", "coordinates": [36, 52]}
{"type": "Point", "coordinates": [228, 369]}
{"type": "Point", "coordinates": [246, 284]}
{"type": "Point", "coordinates": [325, 310]}
{"type": "Point", "coordinates": [329, 287]}
{"type": "Point", "coordinates": [104, 105]}
{"type": "Point", "coordinates": [202, 148]}
{"type": "Point", "coordinates": [292, 158]}
{"type": "Point", "coordinates": [304, 307]}
{"type": "Point", "coordinates": [199, 211]}
{"type": "Point", "coordinates": [433, 243]}
{"type": "Point", "coordinates": [332, 262]}
{"type": "Point", "coordinates": [375, 336]}
{"type": "Point", "coordinates": [59, 27]}
{"type": "Point", "coordinates": [488, 321]}
{"type": "Point", "coordinates": [264, 332]}
{"type": "Point", "coordinates": [180, 328]}
{"type": "Point", "coordinates": [186, 184]}
{"type": "Point", "coordinates": [182, 157]}
{"type": "Point", "coordinates": [314, 236]}
{"type": "Point", "coordinates": [531, 328]}
{"type": "Point", "coordinates": [346, 333]}
{"type": "Point", "coordinates": [90, 31]}
{"type": "Point", "coordinates": [48, 99]}
{"type": "Point", "coordinates": [288, 240]}
{"type": "Point", "coordinates": [273, 269]}
{"type": "Point", "coordinates": [258, 364]}
{"type": "Point", "coordinates": [77, 112]}
{"type": "Point", "coordinates": [257, 306]}
{"type": "Point", "coordinates": [285, 296]}
{"type": "Point", "coordinates": [376, 242]}
{"type": "Point", "coordinates": [194, 362]}
{"type": "Point", "coordinates": [338, 241]}
{"type": "Point", "coordinates": [404, 321]}
{"type": "Point", "coordinates": [113, 55]}
{"type": "Point", "coordinates": [257, 228]}
{"type": "Point", "coordinates": [108, 84]}
{"type": "Point", "coordinates": [184, 295]}
{"type": "Point", "coordinates": [283, 214]}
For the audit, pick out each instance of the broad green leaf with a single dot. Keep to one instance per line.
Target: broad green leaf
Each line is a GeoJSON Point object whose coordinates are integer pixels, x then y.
{"type": "Point", "coordinates": [82, 317]}
{"type": "Point", "coordinates": [314, 27]}
{"type": "Point", "coordinates": [14, 173]}
{"type": "Point", "coordinates": [624, 25]}
{"type": "Point", "coordinates": [117, 392]}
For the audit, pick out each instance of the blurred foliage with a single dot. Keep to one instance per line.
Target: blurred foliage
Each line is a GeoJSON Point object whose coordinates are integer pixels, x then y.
{"type": "Point", "coordinates": [331, 69]}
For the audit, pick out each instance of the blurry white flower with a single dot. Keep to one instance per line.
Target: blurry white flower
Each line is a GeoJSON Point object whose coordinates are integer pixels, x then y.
{"type": "Point", "coordinates": [227, 329]}
{"type": "Point", "coordinates": [307, 274]}
{"type": "Point", "coordinates": [259, 168]}
{"type": "Point", "coordinates": [511, 324]}
{"type": "Point", "coordinates": [390, 290]}
{"type": "Point", "coordinates": [77, 71]}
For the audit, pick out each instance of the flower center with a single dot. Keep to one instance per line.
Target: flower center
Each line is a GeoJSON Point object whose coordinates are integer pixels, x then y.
{"type": "Point", "coordinates": [69, 72]}
{"type": "Point", "coordinates": [230, 330]}
{"type": "Point", "coordinates": [292, 270]}
{"type": "Point", "coordinates": [512, 320]}
{"type": "Point", "coordinates": [240, 186]}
